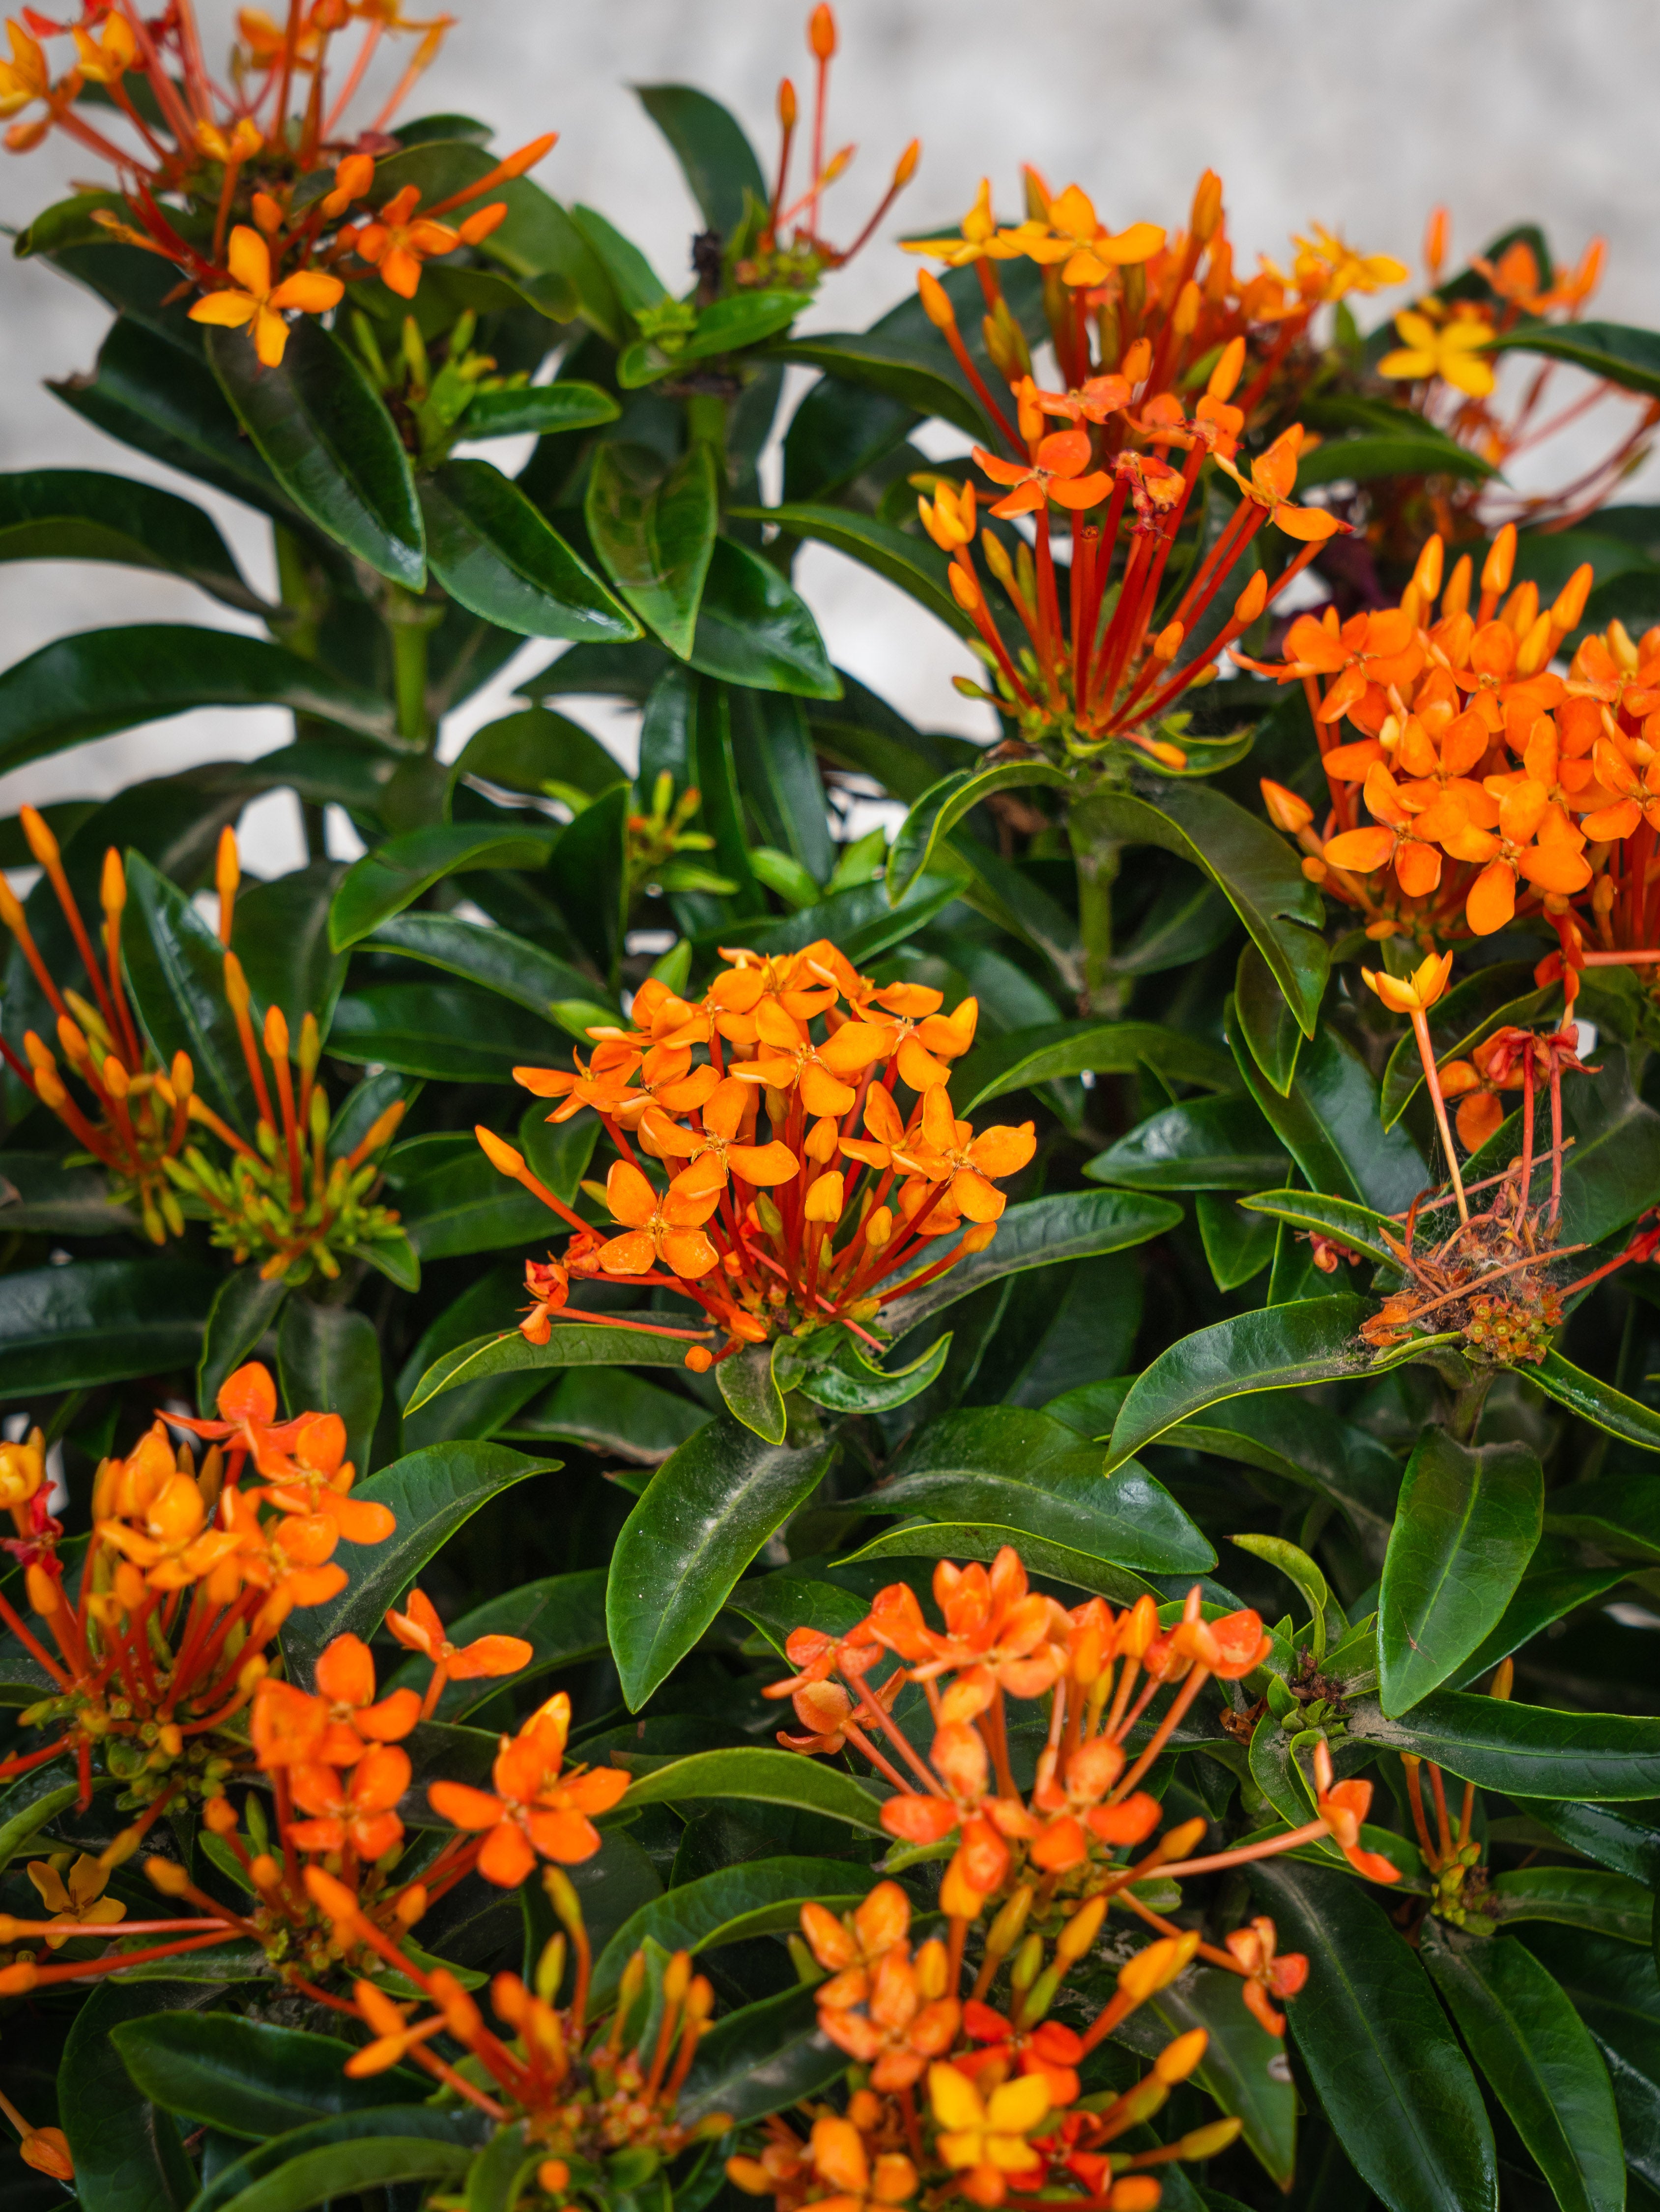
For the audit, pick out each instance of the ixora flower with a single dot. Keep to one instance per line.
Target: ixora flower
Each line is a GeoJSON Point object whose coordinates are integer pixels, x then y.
{"type": "Point", "coordinates": [817, 1223]}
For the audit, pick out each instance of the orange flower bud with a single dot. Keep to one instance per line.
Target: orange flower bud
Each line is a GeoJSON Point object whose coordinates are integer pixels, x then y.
{"type": "Point", "coordinates": [1497, 568]}
{"type": "Point", "coordinates": [1285, 810]}
{"type": "Point", "coordinates": [821, 32]}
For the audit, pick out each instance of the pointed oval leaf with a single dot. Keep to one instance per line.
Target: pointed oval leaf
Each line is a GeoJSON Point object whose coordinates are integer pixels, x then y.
{"type": "Point", "coordinates": [760, 1897]}
{"type": "Point", "coordinates": [1577, 1897]}
{"type": "Point", "coordinates": [1526, 1750]}
{"type": "Point", "coordinates": [715, 156]}
{"type": "Point", "coordinates": [1266, 1022]}
{"type": "Point", "coordinates": [176, 972]}
{"type": "Point", "coordinates": [430, 1493]}
{"type": "Point", "coordinates": [82, 514]}
{"type": "Point", "coordinates": [101, 1321]}
{"type": "Point", "coordinates": [1379, 2050]}
{"type": "Point", "coordinates": [1598, 1403]}
{"type": "Point", "coordinates": [1616, 352]}
{"type": "Point", "coordinates": [571, 1344]}
{"type": "Point", "coordinates": [1073, 1225]}
{"type": "Point", "coordinates": [944, 804]}
{"type": "Point", "coordinates": [1544, 1595]}
{"type": "Point", "coordinates": [248, 2077]}
{"type": "Point", "coordinates": [915, 564]}
{"type": "Point", "coordinates": [345, 2134]}
{"type": "Point", "coordinates": [374, 2164]}
{"type": "Point", "coordinates": [320, 428]}
{"type": "Point", "coordinates": [656, 532]}
{"type": "Point", "coordinates": [765, 1776]}
{"type": "Point", "coordinates": [394, 875]}
{"type": "Point", "coordinates": [104, 680]}
{"type": "Point", "coordinates": [761, 2059]}
{"type": "Point", "coordinates": [1469, 1521]}
{"type": "Point", "coordinates": [1339, 1218]}
{"type": "Point", "coordinates": [1252, 865]}
{"type": "Point", "coordinates": [1615, 1990]}
{"type": "Point", "coordinates": [494, 958]}
{"type": "Point", "coordinates": [128, 2156]}
{"type": "Point", "coordinates": [753, 627]}
{"type": "Point", "coordinates": [703, 1517]}
{"type": "Point", "coordinates": [1539, 2057]}
{"type": "Point", "coordinates": [545, 409]}
{"type": "Point", "coordinates": [496, 553]}
{"type": "Point", "coordinates": [446, 1031]}
{"type": "Point", "coordinates": [751, 1391]}
{"type": "Point", "coordinates": [329, 1362]}
{"type": "Point", "coordinates": [1023, 1058]}
{"type": "Point", "coordinates": [1328, 1120]}
{"type": "Point", "coordinates": [1205, 1144]}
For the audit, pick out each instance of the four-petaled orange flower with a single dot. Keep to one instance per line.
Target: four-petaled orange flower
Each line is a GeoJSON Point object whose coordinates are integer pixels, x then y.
{"type": "Point", "coordinates": [251, 296]}
{"type": "Point", "coordinates": [418, 1628]}
{"type": "Point", "coordinates": [351, 1808]}
{"type": "Point", "coordinates": [1057, 472]}
{"type": "Point", "coordinates": [1266, 1975]}
{"type": "Point", "coordinates": [534, 1810]}
{"type": "Point", "coordinates": [666, 1225]}
{"type": "Point", "coordinates": [397, 240]}
{"type": "Point", "coordinates": [1273, 478]}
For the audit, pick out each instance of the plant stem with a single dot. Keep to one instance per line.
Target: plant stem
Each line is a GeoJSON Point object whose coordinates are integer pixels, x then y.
{"type": "Point", "coordinates": [409, 622]}
{"type": "Point", "coordinates": [1096, 858]}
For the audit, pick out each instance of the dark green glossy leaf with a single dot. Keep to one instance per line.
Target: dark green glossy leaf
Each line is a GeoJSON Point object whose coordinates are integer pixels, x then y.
{"type": "Point", "coordinates": [329, 1362]}
{"type": "Point", "coordinates": [937, 812]}
{"type": "Point", "coordinates": [791, 1599]}
{"type": "Point", "coordinates": [754, 629]}
{"type": "Point", "coordinates": [1526, 1750]}
{"type": "Point", "coordinates": [1616, 1992]}
{"type": "Point", "coordinates": [165, 403]}
{"type": "Point", "coordinates": [1539, 2058]}
{"type": "Point", "coordinates": [320, 428]}
{"type": "Point", "coordinates": [349, 2136]}
{"type": "Point", "coordinates": [562, 1617]}
{"type": "Point", "coordinates": [1470, 1518]}
{"type": "Point", "coordinates": [886, 363]}
{"type": "Point", "coordinates": [247, 2077]}
{"type": "Point", "coordinates": [703, 1516]}
{"type": "Point", "coordinates": [1279, 1348]}
{"type": "Point", "coordinates": [1247, 861]}
{"type": "Point", "coordinates": [621, 1415]}
{"type": "Point", "coordinates": [430, 1494]}
{"type": "Point", "coordinates": [281, 935]}
{"type": "Point", "coordinates": [128, 2156]}
{"type": "Point", "coordinates": [502, 2169]}
{"type": "Point", "coordinates": [1577, 1897]}
{"type": "Point", "coordinates": [1023, 1058]}
{"type": "Point", "coordinates": [859, 920]}
{"type": "Point", "coordinates": [738, 323]}
{"type": "Point", "coordinates": [1328, 1120]}
{"type": "Point", "coordinates": [1355, 1227]}
{"type": "Point", "coordinates": [915, 564]}
{"type": "Point", "coordinates": [1598, 1402]}
{"type": "Point", "coordinates": [716, 159]}
{"type": "Point", "coordinates": [656, 532]}
{"type": "Point", "coordinates": [1019, 1469]}
{"type": "Point", "coordinates": [713, 762]}
{"type": "Point", "coordinates": [542, 753]}
{"type": "Point", "coordinates": [751, 1392]}
{"type": "Point", "coordinates": [1243, 2066]}
{"type": "Point", "coordinates": [546, 409]}
{"type": "Point", "coordinates": [1238, 1245]}
{"type": "Point", "coordinates": [762, 1897]}
{"type": "Point", "coordinates": [1613, 1839]}
{"type": "Point", "coordinates": [176, 972]}
{"type": "Point", "coordinates": [496, 553]}
{"type": "Point", "coordinates": [1542, 1597]}
{"type": "Point", "coordinates": [571, 1343]}
{"type": "Point", "coordinates": [101, 1321]}
{"type": "Point", "coordinates": [452, 1201]}
{"type": "Point", "coordinates": [1206, 1143]}
{"type": "Point", "coordinates": [1377, 2048]}
{"type": "Point", "coordinates": [764, 1776]}
{"type": "Point", "coordinates": [1618, 1514]}
{"type": "Point", "coordinates": [761, 2059]}
{"type": "Point", "coordinates": [81, 514]}
{"type": "Point", "coordinates": [1614, 351]}
{"type": "Point", "coordinates": [1364, 459]}
{"type": "Point", "coordinates": [1075, 1225]}
{"type": "Point", "coordinates": [394, 875]}
{"type": "Point", "coordinates": [494, 958]}
{"type": "Point", "coordinates": [1265, 1022]}
{"type": "Point", "coordinates": [443, 1031]}
{"type": "Point", "coordinates": [848, 1383]}
{"type": "Point", "coordinates": [375, 2163]}
{"type": "Point", "coordinates": [104, 680]}
{"type": "Point", "coordinates": [245, 1308]}
{"type": "Point", "coordinates": [1302, 1443]}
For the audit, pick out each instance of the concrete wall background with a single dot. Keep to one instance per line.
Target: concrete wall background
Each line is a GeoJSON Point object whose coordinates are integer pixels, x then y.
{"type": "Point", "coordinates": [1356, 113]}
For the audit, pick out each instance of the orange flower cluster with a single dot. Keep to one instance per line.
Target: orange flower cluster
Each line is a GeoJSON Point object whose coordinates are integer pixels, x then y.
{"type": "Point", "coordinates": [1443, 356]}
{"type": "Point", "coordinates": [137, 1117]}
{"type": "Point", "coordinates": [1469, 748]}
{"type": "Point", "coordinates": [772, 261]}
{"type": "Point", "coordinates": [242, 159]}
{"type": "Point", "coordinates": [816, 1225]}
{"type": "Point", "coordinates": [1048, 1866]}
{"type": "Point", "coordinates": [283, 1196]}
{"type": "Point", "coordinates": [1138, 320]}
{"type": "Point", "coordinates": [189, 1577]}
{"type": "Point", "coordinates": [586, 2096]}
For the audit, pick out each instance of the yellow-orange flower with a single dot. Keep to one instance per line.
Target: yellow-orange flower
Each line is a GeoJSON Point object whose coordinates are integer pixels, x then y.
{"type": "Point", "coordinates": [250, 297]}
{"type": "Point", "coordinates": [1413, 994]}
{"type": "Point", "coordinates": [1450, 350]}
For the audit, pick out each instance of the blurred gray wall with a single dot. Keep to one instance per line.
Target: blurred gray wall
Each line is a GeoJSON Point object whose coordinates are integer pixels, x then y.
{"type": "Point", "coordinates": [1359, 113]}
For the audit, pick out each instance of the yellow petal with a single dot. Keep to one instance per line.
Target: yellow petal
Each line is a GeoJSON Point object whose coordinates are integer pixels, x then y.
{"type": "Point", "coordinates": [250, 261]}
{"type": "Point", "coordinates": [956, 2101]}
